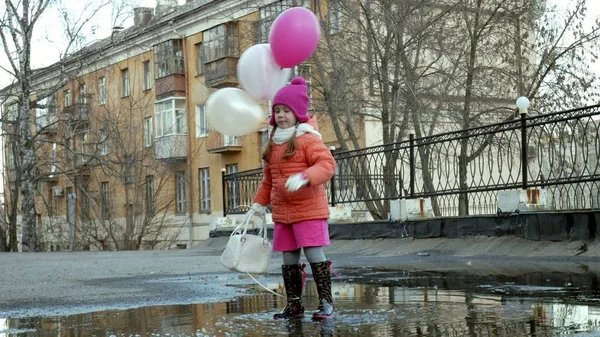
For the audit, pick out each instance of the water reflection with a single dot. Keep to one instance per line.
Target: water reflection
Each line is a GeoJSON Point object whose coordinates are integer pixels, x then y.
{"type": "Point", "coordinates": [364, 310]}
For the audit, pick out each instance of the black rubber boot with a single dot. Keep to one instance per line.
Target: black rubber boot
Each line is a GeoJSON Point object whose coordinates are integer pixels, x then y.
{"type": "Point", "coordinates": [292, 280]}
{"type": "Point", "coordinates": [322, 277]}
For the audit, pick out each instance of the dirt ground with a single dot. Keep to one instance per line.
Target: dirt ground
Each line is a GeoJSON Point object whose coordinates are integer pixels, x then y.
{"type": "Point", "coordinates": [61, 283]}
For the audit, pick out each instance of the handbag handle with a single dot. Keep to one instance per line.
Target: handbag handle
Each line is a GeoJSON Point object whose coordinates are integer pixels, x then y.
{"type": "Point", "coordinates": [242, 228]}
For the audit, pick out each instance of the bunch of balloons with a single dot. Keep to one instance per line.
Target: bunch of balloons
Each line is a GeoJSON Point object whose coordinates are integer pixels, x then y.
{"type": "Point", "coordinates": [262, 70]}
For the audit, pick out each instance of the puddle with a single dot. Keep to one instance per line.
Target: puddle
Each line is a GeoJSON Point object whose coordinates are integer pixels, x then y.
{"type": "Point", "coordinates": [369, 304]}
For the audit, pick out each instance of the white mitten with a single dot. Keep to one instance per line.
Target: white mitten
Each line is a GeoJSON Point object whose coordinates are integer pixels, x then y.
{"type": "Point", "coordinates": [296, 181]}
{"type": "Point", "coordinates": [258, 208]}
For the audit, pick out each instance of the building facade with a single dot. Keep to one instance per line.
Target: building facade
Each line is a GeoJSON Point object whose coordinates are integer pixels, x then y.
{"type": "Point", "coordinates": [126, 156]}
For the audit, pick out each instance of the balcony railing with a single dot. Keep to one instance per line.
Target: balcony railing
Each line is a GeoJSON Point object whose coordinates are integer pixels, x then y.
{"type": "Point", "coordinates": [77, 113]}
{"type": "Point", "coordinates": [48, 172]}
{"type": "Point", "coordinates": [46, 123]}
{"type": "Point", "coordinates": [219, 143]}
{"type": "Point", "coordinates": [170, 84]}
{"type": "Point", "coordinates": [221, 72]}
{"type": "Point", "coordinates": [171, 147]}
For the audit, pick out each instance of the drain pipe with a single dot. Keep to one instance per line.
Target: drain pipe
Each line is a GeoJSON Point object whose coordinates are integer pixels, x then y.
{"type": "Point", "coordinates": [189, 140]}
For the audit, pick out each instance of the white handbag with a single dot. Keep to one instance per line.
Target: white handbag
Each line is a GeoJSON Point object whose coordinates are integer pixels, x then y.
{"type": "Point", "coordinates": [247, 253]}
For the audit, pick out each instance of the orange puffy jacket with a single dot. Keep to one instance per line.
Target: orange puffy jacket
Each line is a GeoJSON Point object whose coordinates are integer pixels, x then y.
{"type": "Point", "coordinates": [309, 202]}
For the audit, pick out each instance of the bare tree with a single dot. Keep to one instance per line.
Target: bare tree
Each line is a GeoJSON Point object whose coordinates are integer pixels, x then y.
{"type": "Point", "coordinates": [437, 67]}
{"type": "Point", "coordinates": [124, 197]}
{"type": "Point", "coordinates": [17, 26]}
{"type": "Point", "coordinates": [126, 158]}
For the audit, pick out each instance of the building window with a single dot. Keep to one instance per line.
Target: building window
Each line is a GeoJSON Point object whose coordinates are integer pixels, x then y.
{"type": "Point", "coordinates": [45, 112]}
{"type": "Point", "coordinates": [70, 146]}
{"type": "Point", "coordinates": [53, 160]}
{"type": "Point", "coordinates": [147, 76]}
{"type": "Point", "coordinates": [305, 70]}
{"type": "Point", "coordinates": [150, 195]}
{"type": "Point", "coordinates": [51, 199]}
{"type": "Point", "coordinates": [81, 95]}
{"type": "Point", "coordinates": [84, 154]}
{"type": "Point", "coordinates": [12, 112]}
{"type": "Point", "coordinates": [267, 15]}
{"type": "Point", "coordinates": [168, 58]}
{"type": "Point", "coordinates": [68, 99]}
{"type": "Point", "coordinates": [84, 203]}
{"type": "Point", "coordinates": [233, 188]}
{"type": "Point", "coordinates": [125, 82]}
{"type": "Point", "coordinates": [201, 121]}
{"type": "Point", "coordinates": [230, 140]}
{"type": "Point", "coordinates": [102, 90]}
{"type": "Point", "coordinates": [220, 42]}
{"type": "Point", "coordinates": [335, 16]}
{"type": "Point", "coordinates": [264, 139]}
{"type": "Point", "coordinates": [69, 200]}
{"type": "Point", "coordinates": [180, 188]}
{"type": "Point", "coordinates": [44, 106]}
{"type": "Point", "coordinates": [199, 59]}
{"type": "Point", "coordinates": [148, 132]}
{"type": "Point", "coordinates": [170, 117]}
{"type": "Point", "coordinates": [103, 142]}
{"type": "Point", "coordinates": [105, 202]}
{"type": "Point", "coordinates": [204, 185]}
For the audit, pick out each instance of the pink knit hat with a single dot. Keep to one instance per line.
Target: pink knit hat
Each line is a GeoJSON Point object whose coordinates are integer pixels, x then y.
{"type": "Point", "coordinates": [295, 97]}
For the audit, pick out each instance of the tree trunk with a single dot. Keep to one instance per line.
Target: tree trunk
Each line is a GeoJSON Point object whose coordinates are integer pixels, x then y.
{"type": "Point", "coordinates": [128, 235]}
{"type": "Point", "coordinates": [29, 239]}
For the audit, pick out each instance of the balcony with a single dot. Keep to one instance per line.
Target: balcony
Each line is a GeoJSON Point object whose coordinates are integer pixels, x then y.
{"type": "Point", "coordinates": [80, 164]}
{"type": "Point", "coordinates": [169, 85]}
{"type": "Point", "coordinates": [46, 123]}
{"type": "Point", "coordinates": [83, 160]}
{"type": "Point", "coordinates": [220, 143]}
{"type": "Point", "coordinates": [81, 171]}
{"type": "Point", "coordinates": [221, 72]}
{"type": "Point", "coordinates": [171, 147]}
{"type": "Point", "coordinates": [48, 173]}
{"type": "Point", "coordinates": [10, 128]}
{"type": "Point", "coordinates": [77, 113]}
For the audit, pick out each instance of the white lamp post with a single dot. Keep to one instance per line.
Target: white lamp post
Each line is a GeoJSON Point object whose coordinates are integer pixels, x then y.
{"type": "Point", "coordinates": [523, 104]}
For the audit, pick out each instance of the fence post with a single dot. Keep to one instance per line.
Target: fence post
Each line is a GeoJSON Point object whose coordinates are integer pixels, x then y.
{"type": "Point", "coordinates": [524, 167]}
{"type": "Point", "coordinates": [332, 181]}
{"type": "Point", "coordinates": [223, 191]}
{"type": "Point", "coordinates": [412, 164]}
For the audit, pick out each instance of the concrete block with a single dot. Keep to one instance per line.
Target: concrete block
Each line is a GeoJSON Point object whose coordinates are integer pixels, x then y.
{"type": "Point", "coordinates": [511, 201]}
{"type": "Point", "coordinates": [546, 226]}
{"type": "Point", "coordinates": [450, 228]}
{"type": "Point", "coordinates": [580, 229]}
{"type": "Point", "coordinates": [340, 213]}
{"type": "Point", "coordinates": [427, 228]}
{"type": "Point", "coordinates": [405, 209]}
{"type": "Point", "coordinates": [222, 222]}
{"type": "Point", "coordinates": [596, 234]}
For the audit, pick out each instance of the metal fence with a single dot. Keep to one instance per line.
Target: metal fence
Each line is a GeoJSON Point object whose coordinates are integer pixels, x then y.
{"type": "Point", "coordinates": [463, 171]}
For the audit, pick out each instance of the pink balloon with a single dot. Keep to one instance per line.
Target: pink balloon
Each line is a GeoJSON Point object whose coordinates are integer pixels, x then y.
{"type": "Point", "coordinates": [294, 36]}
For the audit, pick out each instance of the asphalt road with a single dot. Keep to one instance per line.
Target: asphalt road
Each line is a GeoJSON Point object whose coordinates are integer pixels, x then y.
{"type": "Point", "coordinates": [60, 283]}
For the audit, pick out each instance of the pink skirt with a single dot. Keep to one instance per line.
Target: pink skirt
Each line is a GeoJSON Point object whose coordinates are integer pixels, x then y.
{"type": "Point", "coordinates": [310, 233]}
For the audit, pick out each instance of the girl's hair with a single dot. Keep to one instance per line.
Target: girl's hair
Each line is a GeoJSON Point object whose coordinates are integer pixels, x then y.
{"type": "Point", "coordinates": [289, 152]}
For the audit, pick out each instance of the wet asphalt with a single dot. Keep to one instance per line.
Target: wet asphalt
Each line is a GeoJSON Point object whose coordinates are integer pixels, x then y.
{"type": "Point", "coordinates": [65, 283]}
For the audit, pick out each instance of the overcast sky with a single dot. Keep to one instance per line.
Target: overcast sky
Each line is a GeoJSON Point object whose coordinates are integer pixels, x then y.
{"type": "Point", "coordinates": [49, 42]}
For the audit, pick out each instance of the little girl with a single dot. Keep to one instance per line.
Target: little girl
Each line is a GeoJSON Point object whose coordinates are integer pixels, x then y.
{"type": "Point", "coordinates": [297, 164]}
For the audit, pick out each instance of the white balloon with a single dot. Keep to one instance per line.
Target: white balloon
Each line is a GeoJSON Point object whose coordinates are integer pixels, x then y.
{"type": "Point", "coordinates": [259, 74]}
{"type": "Point", "coordinates": [233, 112]}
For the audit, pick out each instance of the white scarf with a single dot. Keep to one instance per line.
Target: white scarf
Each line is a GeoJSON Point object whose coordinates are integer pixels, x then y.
{"type": "Point", "coordinates": [283, 135]}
